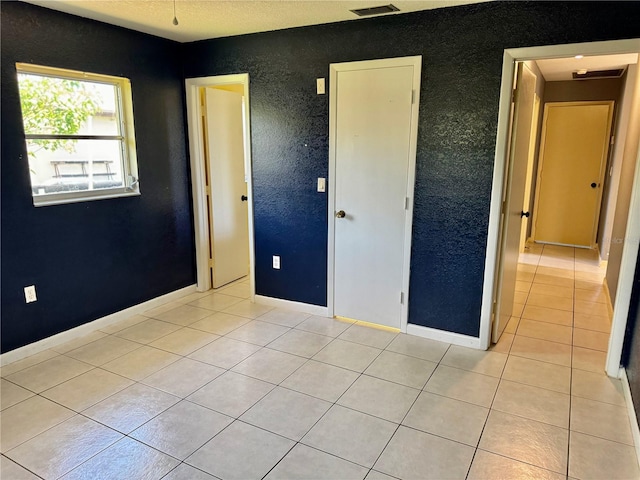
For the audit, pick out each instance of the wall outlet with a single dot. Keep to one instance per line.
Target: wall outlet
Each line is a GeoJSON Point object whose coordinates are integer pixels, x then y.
{"type": "Point", "coordinates": [276, 262]}
{"type": "Point", "coordinates": [30, 294]}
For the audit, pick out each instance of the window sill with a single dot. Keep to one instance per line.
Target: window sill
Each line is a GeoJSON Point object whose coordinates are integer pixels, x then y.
{"type": "Point", "coordinates": [61, 199]}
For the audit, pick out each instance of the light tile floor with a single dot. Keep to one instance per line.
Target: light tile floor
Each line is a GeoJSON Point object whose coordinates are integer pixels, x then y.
{"type": "Point", "coordinates": [212, 386]}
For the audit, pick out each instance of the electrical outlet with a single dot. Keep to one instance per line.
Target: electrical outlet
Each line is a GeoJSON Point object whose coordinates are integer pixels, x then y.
{"type": "Point", "coordinates": [30, 294]}
{"type": "Point", "coordinates": [276, 262]}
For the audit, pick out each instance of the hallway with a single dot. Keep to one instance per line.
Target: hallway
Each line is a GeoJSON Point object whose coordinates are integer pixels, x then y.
{"type": "Point", "coordinates": [557, 341]}
{"type": "Point", "coordinates": [563, 286]}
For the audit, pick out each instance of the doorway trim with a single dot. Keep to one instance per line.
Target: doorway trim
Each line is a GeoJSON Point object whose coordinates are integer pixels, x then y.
{"type": "Point", "coordinates": [198, 177]}
{"type": "Point", "coordinates": [632, 240]}
{"type": "Point", "coordinates": [334, 69]}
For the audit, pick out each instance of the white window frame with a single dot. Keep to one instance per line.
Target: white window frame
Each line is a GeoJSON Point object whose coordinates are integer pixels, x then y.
{"type": "Point", "coordinates": [124, 104]}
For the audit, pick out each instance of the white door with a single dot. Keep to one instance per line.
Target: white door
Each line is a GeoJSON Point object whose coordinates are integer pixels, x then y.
{"type": "Point", "coordinates": [226, 176]}
{"type": "Point", "coordinates": [373, 149]}
{"type": "Point", "coordinates": [533, 139]}
{"type": "Point", "coordinates": [573, 155]}
{"type": "Point", "coordinates": [514, 198]}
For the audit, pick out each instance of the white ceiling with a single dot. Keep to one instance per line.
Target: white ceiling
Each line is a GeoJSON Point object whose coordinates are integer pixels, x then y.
{"type": "Point", "coordinates": [202, 19]}
{"type": "Point", "coordinates": [557, 69]}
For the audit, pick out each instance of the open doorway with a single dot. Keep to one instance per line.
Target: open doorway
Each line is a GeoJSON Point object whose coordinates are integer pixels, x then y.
{"type": "Point", "coordinates": [510, 176]}
{"type": "Point", "coordinates": [218, 124]}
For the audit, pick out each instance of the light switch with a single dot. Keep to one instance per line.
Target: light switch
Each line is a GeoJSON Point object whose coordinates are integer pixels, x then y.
{"type": "Point", "coordinates": [320, 86]}
{"type": "Point", "coordinates": [322, 182]}
{"type": "Point", "coordinates": [30, 294]}
{"type": "Point", "coordinates": [276, 262]}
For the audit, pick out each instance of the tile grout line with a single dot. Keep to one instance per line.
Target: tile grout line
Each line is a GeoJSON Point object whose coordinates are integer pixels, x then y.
{"type": "Point", "coordinates": [407, 413]}
{"type": "Point", "coordinates": [20, 465]}
{"type": "Point", "coordinates": [311, 396]}
{"type": "Point", "coordinates": [570, 361]}
{"type": "Point", "coordinates": [571, 369]}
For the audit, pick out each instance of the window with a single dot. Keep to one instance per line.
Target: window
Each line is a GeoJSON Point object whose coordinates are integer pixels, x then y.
{"type": "Point", "coordinates": [79, 134]}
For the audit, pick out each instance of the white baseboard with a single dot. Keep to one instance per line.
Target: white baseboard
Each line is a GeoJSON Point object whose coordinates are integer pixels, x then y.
{"type": "Point", "coordinates": [87, 328]}
{"type": "Point", "coordinates": [420, 331]}
{"type": "Point", "coordinates": [295, 306]}
{"type": "Point", "coordinates": [442, 336]}
{"type": "Point", "coordinates": [609, 302]}
{"type": "Point", "coordinates": [633, 419]}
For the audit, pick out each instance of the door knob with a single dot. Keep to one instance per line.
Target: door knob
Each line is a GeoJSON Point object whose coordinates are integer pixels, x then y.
{"type": "Point", "coordinates": [340, 214]}
{"type": "Point", "coordinates": [244, 198]}
{"type": "Point", "coordinates": [594, 185]}
{"type": "Point", "coordinates": [524, 214]}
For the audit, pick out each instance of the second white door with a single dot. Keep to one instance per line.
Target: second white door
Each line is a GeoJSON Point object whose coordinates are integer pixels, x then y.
{"type": "Point", "coordinates": [374, 145]}
{"type": "Point", "coordinates": [573, 157]}
{"type": "Point", "coordinates": [228, 217]}
{"type": "Point", "coordinates": [513, 213]}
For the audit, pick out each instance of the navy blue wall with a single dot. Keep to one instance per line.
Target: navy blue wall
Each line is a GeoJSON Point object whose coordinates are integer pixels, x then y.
{"type": "Point", "coordinates": [462, 50]}
{"type": "Point", "coordinates": [91, 259]}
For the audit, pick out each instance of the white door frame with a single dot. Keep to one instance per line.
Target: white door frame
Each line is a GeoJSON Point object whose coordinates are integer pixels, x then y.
{"type": "Point", "coordinates": [198, 177]}
{"type": "Point", "coordinates": [334, 68]}
{"type": "Point", "coordinates": [632, 240]}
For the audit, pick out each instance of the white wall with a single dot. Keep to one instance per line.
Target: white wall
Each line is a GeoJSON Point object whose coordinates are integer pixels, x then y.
{"type": "Point", "coordinates": [617, 160]}
{"type": "Point", "coordinates": [625, 186]}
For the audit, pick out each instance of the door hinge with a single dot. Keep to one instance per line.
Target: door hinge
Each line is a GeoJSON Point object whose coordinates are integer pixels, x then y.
{"type": "Point", "coordinates": [504, 206]}
{"type": "Point", "coordinates": [402, 298]}
{"type": "Point", "coordinates": [613, 138]}
{"type": "Point", "coordinates": [493, 308]}
{"type": "Point", "coordinates": [514, 95]}
{"type": "Point", "coordinates": [211, 263]}
{"type": "Point", "coordinates": [413, 97]}
{"type": "Point", "coordinates": [207, 190]}
{"type": "Point", "coordinates": [406, 203]}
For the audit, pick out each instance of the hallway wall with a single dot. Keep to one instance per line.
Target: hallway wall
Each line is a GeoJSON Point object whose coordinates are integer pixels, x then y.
{"type": "Point", "coordinates": [629, 162]}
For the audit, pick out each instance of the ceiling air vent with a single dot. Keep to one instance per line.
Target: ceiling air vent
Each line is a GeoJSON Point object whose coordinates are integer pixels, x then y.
{"type": "Point", "coordinates": [366, 12]}
{"type": "Point", "coordinates": [595, 74]}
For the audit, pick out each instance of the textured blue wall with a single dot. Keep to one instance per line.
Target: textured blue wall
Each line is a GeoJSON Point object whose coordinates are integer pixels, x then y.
{"type": "Point", "coordinates": [91, 259]}
{"type": "Point", "coordinates": [462, 50]}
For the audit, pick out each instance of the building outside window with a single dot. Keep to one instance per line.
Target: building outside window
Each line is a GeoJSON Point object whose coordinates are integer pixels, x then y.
{"type": "Point", "coordinates": [79, 135]}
